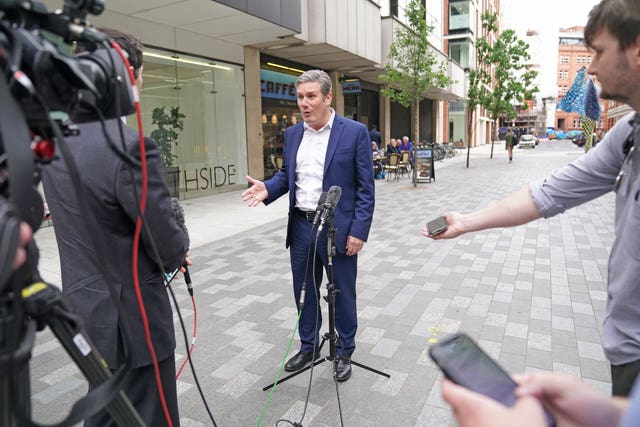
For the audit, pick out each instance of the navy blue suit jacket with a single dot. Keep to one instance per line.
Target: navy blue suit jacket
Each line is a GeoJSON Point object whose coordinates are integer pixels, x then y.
{"type": "Point", "coordinates": [109, 192]}
{"type": "Point", "coordinates": [347, 164]}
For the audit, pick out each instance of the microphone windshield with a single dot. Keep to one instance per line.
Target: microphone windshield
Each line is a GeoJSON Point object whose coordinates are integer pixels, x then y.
{"type": "Point", "coordinates": [323, 198]}
{"type": "Point", "coordinates": [333, 196]}
{"type": "Point", "coordinates": [178, 215]}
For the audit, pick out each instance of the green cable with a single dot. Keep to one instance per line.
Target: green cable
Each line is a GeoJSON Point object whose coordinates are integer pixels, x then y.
{"type": "Point", "coordinates": [275, 383]}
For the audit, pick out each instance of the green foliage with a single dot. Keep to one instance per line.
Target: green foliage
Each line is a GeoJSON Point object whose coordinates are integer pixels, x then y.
{"type": "Point", "coordinates": [166, 134]}
{"type": "Point", "coordinates": [413, 66]}
{"type": "Point", "coordinates": [501, 81]}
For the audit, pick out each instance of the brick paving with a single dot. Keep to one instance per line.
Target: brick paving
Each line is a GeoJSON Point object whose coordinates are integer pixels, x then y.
{"type": "Point", "coordinates": [533, 295]}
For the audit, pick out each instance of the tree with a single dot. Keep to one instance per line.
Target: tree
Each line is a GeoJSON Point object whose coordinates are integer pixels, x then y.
{"type": "Point", "coordinates": [413, 66]}
{"type": "Point", "coordinates": [166, 134]}
{"type": "Point", "coordinates": [501, 80]}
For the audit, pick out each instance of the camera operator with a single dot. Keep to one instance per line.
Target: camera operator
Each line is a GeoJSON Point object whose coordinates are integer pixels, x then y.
{"type": "Point", "coordinates": [109, 184]}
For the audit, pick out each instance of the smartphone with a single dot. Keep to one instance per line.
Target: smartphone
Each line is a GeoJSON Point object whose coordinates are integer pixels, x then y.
{"type": "Point", "coordinates": [465, 363]}
{"type": "Point", "coordinates": [437, 226]}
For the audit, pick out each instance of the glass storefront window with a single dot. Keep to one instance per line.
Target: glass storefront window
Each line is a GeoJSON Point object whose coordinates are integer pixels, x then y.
{"type": "Point", "coordinates": [211, 151]}
{"type": "Point", "coordinates": [279, 111]}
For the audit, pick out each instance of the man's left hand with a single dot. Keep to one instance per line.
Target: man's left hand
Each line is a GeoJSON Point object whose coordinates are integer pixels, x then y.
{"type": "Point", "coordinates": [354, 245]}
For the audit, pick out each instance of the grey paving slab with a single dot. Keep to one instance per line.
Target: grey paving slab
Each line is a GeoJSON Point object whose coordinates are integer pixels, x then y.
{"type": "Point", "coordinates": [533, 295]}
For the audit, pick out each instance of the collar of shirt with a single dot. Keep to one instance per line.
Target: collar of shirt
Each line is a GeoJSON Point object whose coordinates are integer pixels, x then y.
{"type": "Point", "coordinates": [329, 124]}
{"type": "Point", "coordinates": [310, 164]}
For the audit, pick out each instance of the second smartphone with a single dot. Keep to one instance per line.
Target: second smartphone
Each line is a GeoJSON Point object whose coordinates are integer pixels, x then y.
{"type": "Point", "coordinates": [466, 364]}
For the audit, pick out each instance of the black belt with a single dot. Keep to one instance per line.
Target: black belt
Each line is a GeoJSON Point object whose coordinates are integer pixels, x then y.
{"type": "Point", "coordinates": [308, 215]}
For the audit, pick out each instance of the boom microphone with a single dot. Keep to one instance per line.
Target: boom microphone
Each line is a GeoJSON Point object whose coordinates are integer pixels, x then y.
{"type": "Point", "coordinates": [319, 209]}
{"type": "Point", "coordinates": [178, 215]}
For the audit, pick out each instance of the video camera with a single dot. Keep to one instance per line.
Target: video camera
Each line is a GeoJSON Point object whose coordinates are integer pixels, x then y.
{"type": "Point", "coordinates": [78, 85]}
{"type": "Point", "coordinates": [44, 90]}
{"type": "Point", "coordinates": [49, 85]}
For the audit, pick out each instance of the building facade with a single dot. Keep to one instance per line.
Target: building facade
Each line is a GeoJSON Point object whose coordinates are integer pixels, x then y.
{"type": "Point", "coordinates": [573, 55]}
{"type": "Point", "coordinates": [462, 29]}
{"type": "Point", "coordinates": [230, 67]}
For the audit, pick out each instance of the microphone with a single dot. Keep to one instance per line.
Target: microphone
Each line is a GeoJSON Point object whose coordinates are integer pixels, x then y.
{"type": "Point", "coordinates": [321, 201]}
{"type": "Point", "coordinates": [178, 215]}
{"type": "Point", "coordinates": [333, 197]}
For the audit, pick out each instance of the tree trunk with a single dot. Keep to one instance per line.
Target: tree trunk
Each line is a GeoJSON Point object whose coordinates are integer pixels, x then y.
{"type": "Point", "coordinates": [494, 135]}
{"type": "Point", "coordinates": [469, 132]}
{"type": "Point", "coordinates": [415, 122]}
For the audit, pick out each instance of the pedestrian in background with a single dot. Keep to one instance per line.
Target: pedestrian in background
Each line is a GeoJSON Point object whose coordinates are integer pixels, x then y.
{"type": "Point", "coordinates": [374, 135]}
{"type": "Point", "coordinates": [510, 141]}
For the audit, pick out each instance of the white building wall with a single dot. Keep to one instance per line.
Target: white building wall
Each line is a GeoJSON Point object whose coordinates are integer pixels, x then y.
{"type": "Point", "coordinates": [435, 17]}
{"type": "Point", "coordinates": [353, 26]}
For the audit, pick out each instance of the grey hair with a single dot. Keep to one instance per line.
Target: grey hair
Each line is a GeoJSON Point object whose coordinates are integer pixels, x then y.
{"type": "Point", "coordinates": [316, 76]}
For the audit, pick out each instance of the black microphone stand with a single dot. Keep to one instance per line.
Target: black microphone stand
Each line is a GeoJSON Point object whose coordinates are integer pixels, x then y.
{"type": "Point", "coordinates": [331, 335]}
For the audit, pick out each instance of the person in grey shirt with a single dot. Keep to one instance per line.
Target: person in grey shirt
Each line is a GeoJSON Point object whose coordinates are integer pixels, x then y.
{"type": "Point", "coordinates": [613, 32]}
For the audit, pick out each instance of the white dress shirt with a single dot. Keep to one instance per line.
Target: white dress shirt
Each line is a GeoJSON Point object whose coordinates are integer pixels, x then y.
{"type": "Point", "coordinates": [310, 164]}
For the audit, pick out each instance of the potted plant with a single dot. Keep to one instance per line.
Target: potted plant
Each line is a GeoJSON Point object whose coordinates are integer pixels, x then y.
{"type": "Point", "coordinates": [166, 136]}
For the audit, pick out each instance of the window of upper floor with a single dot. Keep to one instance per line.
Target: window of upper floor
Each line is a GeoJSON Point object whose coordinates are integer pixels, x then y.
{"type": "Point", "coordinates": [459, 15]}
{"type": "Point", "coordinates": [393, 8]}
{"type": "Point", "coordinates": [460, 52]}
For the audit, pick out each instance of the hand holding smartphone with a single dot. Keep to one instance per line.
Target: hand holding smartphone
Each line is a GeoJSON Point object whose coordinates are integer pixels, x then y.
{"type": "Point", "coordinates": [437, 226]}
{"type": "Point", "coordinates": [466, 364]}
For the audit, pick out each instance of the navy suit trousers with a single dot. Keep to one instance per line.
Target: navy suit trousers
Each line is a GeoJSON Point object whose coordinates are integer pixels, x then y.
{"type": "Point", "coordinates": [308, 258]}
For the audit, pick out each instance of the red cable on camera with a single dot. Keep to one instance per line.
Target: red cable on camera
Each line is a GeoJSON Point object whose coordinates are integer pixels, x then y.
{"type": "Point", "coordinates": [136, 238]}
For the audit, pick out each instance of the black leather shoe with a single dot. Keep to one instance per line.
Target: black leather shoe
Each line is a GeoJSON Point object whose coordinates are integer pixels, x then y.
{"type": "Point", "coordinates": [300, 360]}
{"type": "Point", "coordinates": [343, 370]}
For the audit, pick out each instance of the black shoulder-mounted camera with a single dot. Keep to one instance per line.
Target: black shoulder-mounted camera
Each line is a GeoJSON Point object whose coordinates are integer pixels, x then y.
{"type": "Point", "coordinates": [50, 86]}
{"type": "Point", "coordinates": [44, 88]}
{"type": "Point", "coordinates": [44, 80]}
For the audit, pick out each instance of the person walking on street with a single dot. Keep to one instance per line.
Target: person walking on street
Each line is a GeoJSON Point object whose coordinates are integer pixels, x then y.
{"type": "Point", "coordinates": [374, 135]}
{"type": "Point", "coordinates": [510, 141]}
{"type": "Point", "coordinates": [325, 150]}
{"type": "Point", "coordinates": [613, 32]}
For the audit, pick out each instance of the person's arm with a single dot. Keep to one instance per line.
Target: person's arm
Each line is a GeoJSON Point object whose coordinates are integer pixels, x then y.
{"type": "Point", "coordinates": [364, 197]}
{"type": "Point", "coordinates": [571, 402]}
{"type": "Point", "coordinates": [472, 409]}
{"type": "Point", "coordinates": [170, 240]}
{"type": "Point", "coordinates": [516, 209]}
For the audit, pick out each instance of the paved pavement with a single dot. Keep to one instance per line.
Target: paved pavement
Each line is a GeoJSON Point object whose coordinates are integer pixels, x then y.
{"type": "Point", "coordinates": [534, 296]}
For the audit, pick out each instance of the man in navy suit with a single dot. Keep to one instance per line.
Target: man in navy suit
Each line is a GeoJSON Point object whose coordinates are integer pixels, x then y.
{"type": "Point", "coordinates": [323, 151]}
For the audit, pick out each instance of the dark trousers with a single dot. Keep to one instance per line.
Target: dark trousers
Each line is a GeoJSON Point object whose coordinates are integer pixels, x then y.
{"type": "Point", "coordinates": [305, 259]}
{"type": "Point", "coordinates": [623, 377]}
{"type": "Point", "coordinates": [142, 391]}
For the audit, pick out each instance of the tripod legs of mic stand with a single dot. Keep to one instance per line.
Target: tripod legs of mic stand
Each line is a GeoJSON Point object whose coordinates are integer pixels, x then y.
{"type": "Point", "coordinates": [331, 335]}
